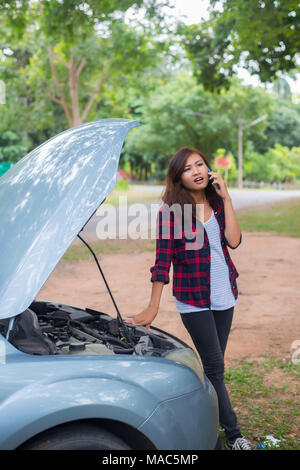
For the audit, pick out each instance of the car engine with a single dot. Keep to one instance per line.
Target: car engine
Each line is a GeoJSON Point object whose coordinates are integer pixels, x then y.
{"type": "Point", "coordinates": [52, 328]}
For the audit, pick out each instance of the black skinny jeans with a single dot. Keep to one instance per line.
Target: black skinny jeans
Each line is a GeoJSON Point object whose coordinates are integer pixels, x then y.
{"type": "Point", "coordinates": [209, 330]}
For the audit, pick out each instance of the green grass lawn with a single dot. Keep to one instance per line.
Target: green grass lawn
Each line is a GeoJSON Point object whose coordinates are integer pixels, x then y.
{"type": "Point", "coordinates": [132, 195]}
{"type": "Point", "coordinates": [283, 218]}
{"type": "Point", "coordinates": [100, 247]}
{"type": "Point", "coordinates": [265, 397]}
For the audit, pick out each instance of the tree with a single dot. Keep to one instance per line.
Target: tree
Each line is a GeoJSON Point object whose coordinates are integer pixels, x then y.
{"type": "Point", "coordinates": [61, 19]}
{"type": "Point", "coordinates": [284, 163]}
{"type": "Point", "coordinates": [257, 167]}
{"type": "Point", "coordinates": [283, 126]}
{"type": "Point", "coordinates": [260, 35]}
{"type": "Point", "coordinates": [279, 164]}
{"type": "Point", "coordinates": [181, 113]}
{"type": "Point", "coordinates": [27, 112]}
{"type": "Point", "coordinates": [79, 50]}
{"type": "Point", "coordinates": [281, 88]}
{"type": "Point", "coordinates": [80, 81]}
{"type": "Point", "coordinates": [11, 148]}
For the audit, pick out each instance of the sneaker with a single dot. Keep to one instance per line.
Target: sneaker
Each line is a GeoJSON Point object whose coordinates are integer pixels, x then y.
{"type": "Point", "coordinates": [240, 443]}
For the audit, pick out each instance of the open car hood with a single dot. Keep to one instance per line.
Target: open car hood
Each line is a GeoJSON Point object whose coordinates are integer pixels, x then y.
{"type": "Point", "coordinates": [46, 199]}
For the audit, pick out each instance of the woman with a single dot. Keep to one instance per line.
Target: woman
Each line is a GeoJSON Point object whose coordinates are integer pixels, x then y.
{"type": "Point", "coordinates": [204, 276]}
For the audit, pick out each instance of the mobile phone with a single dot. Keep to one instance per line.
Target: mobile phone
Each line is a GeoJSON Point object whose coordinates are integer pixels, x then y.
{"type": "Point", "coordinates": [214, 179]}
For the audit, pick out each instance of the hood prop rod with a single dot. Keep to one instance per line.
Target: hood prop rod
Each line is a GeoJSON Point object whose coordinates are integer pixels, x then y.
{"type": "Point", "coordinates": [123, 327]}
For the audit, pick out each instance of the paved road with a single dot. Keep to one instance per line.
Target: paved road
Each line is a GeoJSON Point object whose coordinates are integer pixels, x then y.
{"type": "Point", "coordinates": [255, 197]}
{"type": "Point", "coordinates": [139, 218]}
{"type": "Point", "coordinates": [240, 197]}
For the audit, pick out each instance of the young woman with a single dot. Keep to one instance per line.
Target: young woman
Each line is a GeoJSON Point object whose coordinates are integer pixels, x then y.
{"type": "Point", "coordinates": [204, 276]}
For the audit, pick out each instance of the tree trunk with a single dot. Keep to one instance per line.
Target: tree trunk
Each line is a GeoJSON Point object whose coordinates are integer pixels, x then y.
{"type": "Point", "coordinates": [73, 82]}
{"type": "Point", "coordinates": [72, 111]}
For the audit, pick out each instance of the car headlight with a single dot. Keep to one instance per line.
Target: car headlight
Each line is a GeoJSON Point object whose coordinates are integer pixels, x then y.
{"type": "Point", "coordinates": [187, 357]}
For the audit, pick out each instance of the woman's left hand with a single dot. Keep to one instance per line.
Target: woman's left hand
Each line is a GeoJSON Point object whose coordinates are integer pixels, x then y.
{"type": "Point", "coordinates": [222, 189]}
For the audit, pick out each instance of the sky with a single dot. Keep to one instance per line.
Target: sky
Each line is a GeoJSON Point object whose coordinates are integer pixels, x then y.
{"type": "Point", "coordinates": [195, 11]}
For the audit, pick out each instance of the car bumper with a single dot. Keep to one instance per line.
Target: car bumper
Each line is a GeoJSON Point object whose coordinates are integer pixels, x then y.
{"type": "Point", "coordinates": [188, 422]}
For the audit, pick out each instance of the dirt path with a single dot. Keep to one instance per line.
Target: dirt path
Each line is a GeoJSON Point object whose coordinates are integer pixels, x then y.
{"type": "Point", "coordinates": [266, 317]}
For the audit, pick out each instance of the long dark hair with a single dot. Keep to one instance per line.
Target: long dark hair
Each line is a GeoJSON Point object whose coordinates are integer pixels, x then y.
{"type": "Point", "coordinates": [175, 192]}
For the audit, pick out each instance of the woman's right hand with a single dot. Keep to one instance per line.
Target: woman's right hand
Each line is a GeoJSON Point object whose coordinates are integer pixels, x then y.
{"type": "Point", "coordinates": [145, 318]}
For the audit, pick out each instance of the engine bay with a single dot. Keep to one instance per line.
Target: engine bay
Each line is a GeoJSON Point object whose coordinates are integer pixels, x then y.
{"type": "Point", "coordinates": [52, 328]}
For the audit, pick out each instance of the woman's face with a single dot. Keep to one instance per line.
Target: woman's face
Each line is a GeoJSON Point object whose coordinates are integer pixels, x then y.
{"type": "Point", "coordinates": [195, 173]}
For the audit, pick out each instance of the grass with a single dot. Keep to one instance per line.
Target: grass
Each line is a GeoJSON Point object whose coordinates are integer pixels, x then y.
{"type": "Point", "coordinates": [133, 196]}
{"type": "Point", "coordinates": [282, 218]}
{"type": "Point", "coordinates": [81, 252]}
{"type": "Point", "coordinates": [265, 399]}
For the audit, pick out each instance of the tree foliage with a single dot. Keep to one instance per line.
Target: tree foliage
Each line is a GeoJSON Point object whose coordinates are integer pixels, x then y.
{"type": "Point", "coordinates": [67, 61]}
{"type": "Point", "coordinates": [181, 113]}
{"type": "Point", "coordinates": [74, 53]}
{"type": "Point", "coordinates": [260, 35]}
{"type": "Point", "coordinates": [11, 148]}
{"type": "Point", "coordinates": [278, 164]}
{"type": "Point", "coordinates": [284, 126]}
{"type": "Point", "coordinates": [62, 19]}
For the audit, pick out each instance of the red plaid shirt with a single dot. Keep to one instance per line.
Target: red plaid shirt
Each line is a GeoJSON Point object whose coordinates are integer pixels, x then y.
{"type": "Point", "coordinates": [191, 267]}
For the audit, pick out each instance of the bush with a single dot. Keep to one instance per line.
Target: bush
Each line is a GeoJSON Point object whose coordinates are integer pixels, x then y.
{"type": "Point", "coordinates": [122, 185]}
{"type": "Point", "coordinates": [11, 147]}
{"type": "Point", "coordinates": [279, 164]}
{"type": "Point", "coordinates": [256, 167]}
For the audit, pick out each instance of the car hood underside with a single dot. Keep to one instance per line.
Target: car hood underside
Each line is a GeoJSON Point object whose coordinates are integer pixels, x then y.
{"type": "Point", "coordinates": [47, 198]}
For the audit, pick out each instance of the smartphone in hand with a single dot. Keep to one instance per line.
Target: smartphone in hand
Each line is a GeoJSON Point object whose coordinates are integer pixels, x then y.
{"type": "Point", "coordinates": [214, 179]}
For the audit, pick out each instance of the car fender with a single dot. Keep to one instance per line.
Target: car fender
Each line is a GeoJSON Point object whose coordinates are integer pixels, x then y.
{"type": "Point", "coordinates": [41, 406]}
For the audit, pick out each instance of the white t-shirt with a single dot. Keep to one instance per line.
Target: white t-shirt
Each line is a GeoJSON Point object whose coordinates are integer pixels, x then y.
{"type": "Point", "coordinates": [221, 295]}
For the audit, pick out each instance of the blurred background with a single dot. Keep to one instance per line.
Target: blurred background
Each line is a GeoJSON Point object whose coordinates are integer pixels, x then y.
{"type": "Point", "coordinates": [221, 76]}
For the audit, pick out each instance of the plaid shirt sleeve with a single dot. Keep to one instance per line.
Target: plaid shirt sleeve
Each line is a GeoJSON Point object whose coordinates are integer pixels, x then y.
{"type": "Point", "coordinates": [164, 246]}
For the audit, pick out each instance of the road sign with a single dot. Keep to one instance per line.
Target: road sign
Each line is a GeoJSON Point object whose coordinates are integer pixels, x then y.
{"type": "Point", "coordinates": [222, 162]}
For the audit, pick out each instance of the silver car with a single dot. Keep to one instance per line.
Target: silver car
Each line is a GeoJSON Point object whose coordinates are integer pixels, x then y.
{"type": "Point", "coordinates": [74, 378]}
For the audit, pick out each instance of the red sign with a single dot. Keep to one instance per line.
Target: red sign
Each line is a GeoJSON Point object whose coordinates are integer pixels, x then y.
{"type": "Point", "coordinates": [222, 162]}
